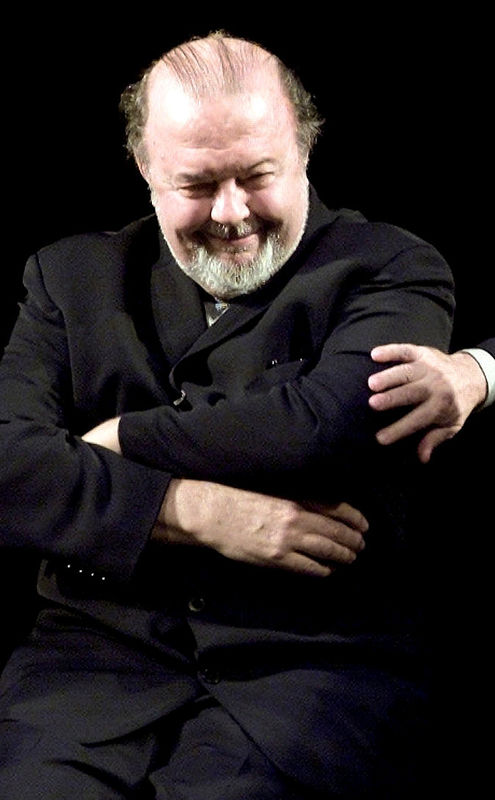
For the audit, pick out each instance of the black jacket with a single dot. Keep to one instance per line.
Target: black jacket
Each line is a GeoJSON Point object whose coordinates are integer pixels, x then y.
{"type": "Point", "coordinates": [272, 397]}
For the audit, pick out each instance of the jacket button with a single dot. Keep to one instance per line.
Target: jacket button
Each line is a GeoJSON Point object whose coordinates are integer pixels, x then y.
{"type": "Point", "coordinates": [196, 604]}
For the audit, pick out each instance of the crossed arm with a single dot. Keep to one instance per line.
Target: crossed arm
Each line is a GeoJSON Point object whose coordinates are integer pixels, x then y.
{"type": "Point", "coordinates": [87, 517]}
{"type": "Point", "coordinates": [442, 390]}
{"type": "Point", "coordinates": [251, 527]}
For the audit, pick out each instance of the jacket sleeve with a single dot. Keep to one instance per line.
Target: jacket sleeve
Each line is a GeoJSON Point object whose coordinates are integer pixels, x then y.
{"type": "Point", "coordinates": [321, 419]}
{"type": "Point", "coordinates": [59, 496]}
{"type": "Point", "coordinates": [489, 346]}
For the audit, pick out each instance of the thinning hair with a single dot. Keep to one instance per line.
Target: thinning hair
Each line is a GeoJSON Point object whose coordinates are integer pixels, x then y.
{"type": "Point", "coordinates": [218, 63]}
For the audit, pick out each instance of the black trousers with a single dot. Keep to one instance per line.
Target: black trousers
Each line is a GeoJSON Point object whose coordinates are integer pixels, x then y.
{"type": "Point", "coordinates": [193, 751]}
{"type": "Point", "coordinates": [88, 712]}
{"type": "Point", "coordinates": [204, 755]}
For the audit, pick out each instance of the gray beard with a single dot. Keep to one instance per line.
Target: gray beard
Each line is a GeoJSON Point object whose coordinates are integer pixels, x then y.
{"type": "Point", "coordinates": [226, 281]}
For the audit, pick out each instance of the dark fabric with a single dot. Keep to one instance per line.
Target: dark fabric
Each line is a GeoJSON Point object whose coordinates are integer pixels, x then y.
{"type": "Point", "coordinates": [489, 345]}
{"type": "Point", "coordinates": [80, 700]}
{"type": "Point", "coordinates": [276, 400]}
{"type": "Point", "coordinates": [201, 754]}
{"type": "Point", "coordinates": [276, 388]}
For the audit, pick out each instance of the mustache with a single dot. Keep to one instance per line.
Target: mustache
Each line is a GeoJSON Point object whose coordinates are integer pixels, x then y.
{"type": "Point", "coordinates": [231, 232]}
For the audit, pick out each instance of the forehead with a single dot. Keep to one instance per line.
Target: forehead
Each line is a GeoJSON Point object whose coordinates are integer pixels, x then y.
{"type": "Point", "coordinates": [257, 122]}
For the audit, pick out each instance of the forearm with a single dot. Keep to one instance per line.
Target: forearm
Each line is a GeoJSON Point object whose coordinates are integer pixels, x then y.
{"type": "Point", "coordinates": [259, 529]}
{"type": "Point", "coordinates": [289, 435]}
{"type": "Point", "coordinates": [59, 496]}
{"type": "Point", "coordinates": [64, 499]}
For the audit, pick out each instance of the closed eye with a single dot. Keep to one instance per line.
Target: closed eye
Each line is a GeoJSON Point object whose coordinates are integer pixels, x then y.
{"type": "Point", "coordinates": [258, 180]}
{"type": "Point", "coordinates": [206, 189]}
{"type": "Point", "coordinates": [253, 182]}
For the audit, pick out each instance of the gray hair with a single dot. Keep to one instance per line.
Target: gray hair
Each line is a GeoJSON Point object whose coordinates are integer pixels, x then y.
{"type": "Point", "coordinates": [191, 63]}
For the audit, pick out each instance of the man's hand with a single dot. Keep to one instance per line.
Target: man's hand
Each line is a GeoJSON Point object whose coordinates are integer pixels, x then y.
{"type": "Point", "coordinates": [262, 530]}
{"type": "Point", "coordinates": [251, 527]}
{"type": "Point", "coordinates": [443, 390]}
{"type": "Point", "coordinates": [106, 434]}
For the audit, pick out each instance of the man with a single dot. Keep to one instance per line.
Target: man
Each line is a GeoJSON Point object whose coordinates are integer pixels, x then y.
{"type": "Point", "coordinates": [186, 436]}
{"type": "Point", "coordinates": [442, 389]}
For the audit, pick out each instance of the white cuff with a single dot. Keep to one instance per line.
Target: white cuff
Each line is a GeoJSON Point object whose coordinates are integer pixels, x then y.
{"type": "Point", "coordinates": [487, 365]}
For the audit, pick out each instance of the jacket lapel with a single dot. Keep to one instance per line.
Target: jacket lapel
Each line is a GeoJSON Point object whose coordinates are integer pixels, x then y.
{"type": "Point", "coordinates": [176, 307]}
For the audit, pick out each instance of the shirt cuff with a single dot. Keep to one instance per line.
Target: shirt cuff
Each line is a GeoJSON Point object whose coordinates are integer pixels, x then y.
{"type": "Point", "coordinates": [487, 365]}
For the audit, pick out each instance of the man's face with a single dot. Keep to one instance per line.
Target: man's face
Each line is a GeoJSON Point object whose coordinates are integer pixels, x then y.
{"type": "Point", "coordinates": [228, 183]}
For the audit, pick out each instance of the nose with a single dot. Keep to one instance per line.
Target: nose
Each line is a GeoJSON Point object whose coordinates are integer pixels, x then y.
{"type": "Point", "coordinates": [229, 204]}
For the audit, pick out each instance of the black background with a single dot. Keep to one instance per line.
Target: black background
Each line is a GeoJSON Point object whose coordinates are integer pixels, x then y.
{"type": "Point", "coordinates": [407, 99]}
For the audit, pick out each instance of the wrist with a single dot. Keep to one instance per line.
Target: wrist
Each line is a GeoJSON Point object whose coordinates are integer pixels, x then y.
{"type": "Point", "coordinates": [475, 383]}
{"type": "Point", "coordinates": [175, 521]}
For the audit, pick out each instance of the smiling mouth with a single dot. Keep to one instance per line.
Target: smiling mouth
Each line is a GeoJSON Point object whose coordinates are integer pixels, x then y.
{"type": "Point", "coordinates": [232, 238]}
{"type": "Point", "coordinates": [235, 242]}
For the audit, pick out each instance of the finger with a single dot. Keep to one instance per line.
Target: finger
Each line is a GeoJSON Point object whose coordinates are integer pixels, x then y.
{"type": "Point", "coordinates": [410, 423]}
{"type": "Point", "coordinates": [350, 516]}
{"type": "Point", "coordinates": [338, 533]}
{"type": "Point", "coordinates": [326, 548]}
{"type": "Point", "coordinates": [303, 564]}
{"type": "Point", "coordinates": [409, 394]}
{"type": "Point", "coordinates": [396, 376]}
{"type": "Point", "coordinates": [395, 352]}
{"type": "Point", "coordinates": [342, 512]}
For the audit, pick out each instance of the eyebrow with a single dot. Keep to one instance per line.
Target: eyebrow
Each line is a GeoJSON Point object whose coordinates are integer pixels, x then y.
{"type": "Point", "coordinates": [192, 177]}
{"type": "Point", "coordinates": [209, 176]}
